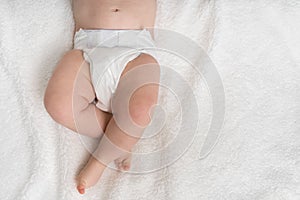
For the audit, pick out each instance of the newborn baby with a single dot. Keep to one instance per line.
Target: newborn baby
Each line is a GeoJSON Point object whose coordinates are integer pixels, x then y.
{"type": "Point", "coordinates": [109, 60]}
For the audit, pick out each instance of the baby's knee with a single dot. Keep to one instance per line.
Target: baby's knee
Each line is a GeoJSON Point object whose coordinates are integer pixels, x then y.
{"type": "Point", "coordinates": [141, 111]}
{"type": "Point", "coordinates": [56, 108]}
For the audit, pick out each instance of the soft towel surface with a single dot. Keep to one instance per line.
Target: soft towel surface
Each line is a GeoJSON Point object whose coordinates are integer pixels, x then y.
{"type": "Point", "coordinates": [255, 46]}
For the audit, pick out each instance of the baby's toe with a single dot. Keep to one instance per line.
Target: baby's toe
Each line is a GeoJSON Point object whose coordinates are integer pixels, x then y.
{"type": "Point", "coordinates": [126, 167]}
{"type": "Point", "coordinates": [126, 164]}
{"type": "Point", "coordinates": [81, 188]}
{"type": "Point", "coordinates": [118, 164]}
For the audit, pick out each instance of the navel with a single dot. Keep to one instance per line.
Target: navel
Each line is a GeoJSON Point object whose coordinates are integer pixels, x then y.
{"type": "Point", "coordinates": [115, 10]}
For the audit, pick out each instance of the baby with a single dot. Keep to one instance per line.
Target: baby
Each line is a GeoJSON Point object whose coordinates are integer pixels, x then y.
{"type": "Point", "coordinates": [105, 86]}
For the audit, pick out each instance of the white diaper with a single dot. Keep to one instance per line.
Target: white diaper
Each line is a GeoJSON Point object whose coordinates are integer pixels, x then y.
{"type": "Point", "coordinates": [108, 51]}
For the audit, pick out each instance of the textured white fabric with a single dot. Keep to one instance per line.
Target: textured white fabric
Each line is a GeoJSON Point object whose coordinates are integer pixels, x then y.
{"type": "Point", "coordinates": [255, 46]}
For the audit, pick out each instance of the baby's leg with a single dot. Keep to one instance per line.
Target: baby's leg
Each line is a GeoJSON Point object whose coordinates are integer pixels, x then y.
{"type": "Point", "coordinates": [117, 141]}
{"type": "Point", "coordinates": [69, 96]}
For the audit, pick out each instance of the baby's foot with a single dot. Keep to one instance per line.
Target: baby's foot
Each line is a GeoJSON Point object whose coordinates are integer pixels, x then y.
{"type": "Point", "coordinates": [90, 174]}
{"type": "Point", "coordinates": [123, 162]}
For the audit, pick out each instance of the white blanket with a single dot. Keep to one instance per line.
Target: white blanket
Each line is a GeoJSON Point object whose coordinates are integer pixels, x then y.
{"type": "Point", "coordinates": [255, 46]}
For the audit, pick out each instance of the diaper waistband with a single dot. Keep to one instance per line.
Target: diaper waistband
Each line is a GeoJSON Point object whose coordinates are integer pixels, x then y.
{"type": "Point", "coordinates": [91, 38]}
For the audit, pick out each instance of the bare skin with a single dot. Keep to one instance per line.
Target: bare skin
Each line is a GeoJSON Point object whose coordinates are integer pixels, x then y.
{"type": "Point", "coordinates": [114, 14]}
{"type": "Point", "coordinates": [71, 82]}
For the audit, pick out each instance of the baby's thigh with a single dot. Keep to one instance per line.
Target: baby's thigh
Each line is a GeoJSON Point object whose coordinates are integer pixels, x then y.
{"type": "Point", "coordinates": [69, 84]}
{"type": "Point", "coordinates": [140, 80]}
{"type": "Point", "coordinates": [72, 74]}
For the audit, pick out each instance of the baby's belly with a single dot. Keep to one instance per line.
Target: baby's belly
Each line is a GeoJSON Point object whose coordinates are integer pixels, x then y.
{"type": "Point", "coordinates": [109, 21]}
{"type": "Point", "coordinates": [112, 14]}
